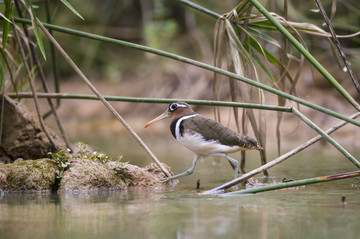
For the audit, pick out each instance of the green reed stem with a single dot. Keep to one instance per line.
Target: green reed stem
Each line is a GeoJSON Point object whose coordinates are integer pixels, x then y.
{"type": "Point", "coordinates": [278, 160]}
{"type": "Point", "coordinates": [292, 39]}
{"type": "Point", "coordinates": [327, 137]}
{"type": "Point", "coordinates": [198, 64]}
{"type": "Point", "coordinates": [294, 183]}
{"type": "Point", "coordinates": [150, 100]}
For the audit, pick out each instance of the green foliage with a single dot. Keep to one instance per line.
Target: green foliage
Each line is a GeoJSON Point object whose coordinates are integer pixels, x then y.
{"type": "Point", "coordinates": [36, 28]}
{"type": "Point", "coordinates": [6, 27]}
{"type": "Point", "coordinates": [62, 159]}
{"type": "Point", "coordinates": [67, 4]}
{"type": "Point", "coordinates": [64, 156]}
{"type": "Point", "coordinates": [161, 34]}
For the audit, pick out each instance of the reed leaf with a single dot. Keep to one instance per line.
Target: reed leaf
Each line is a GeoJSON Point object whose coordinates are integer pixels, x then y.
{"type": "Point", "coordinates": [296, 183]}
{"type": "Point", "coordinates": [68, 5]}
{"type": "Point", "coordinates": [151, 100]}
{"type": "Point", "coordinates": [197, 64]}
{"type": "Point", "coordinates": [219, 33]}
{"type": "Point", "coordinates": [303, 50]}
{"type": "Point", "coordinates": [262, 66]}
{"type": "Point", "coordinates": [6, 17]}
{"type": "Point", "coordinates": [36, 28]}
{"type": "Point", "coordinates": [2, 86]}
{"type": "Point", "coordinates": [242, 62]}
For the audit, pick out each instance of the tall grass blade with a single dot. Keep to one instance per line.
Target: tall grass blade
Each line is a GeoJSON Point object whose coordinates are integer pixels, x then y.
{"type": "Point", "coordinates": [278, 160]}
{"type": "Point", "coordinates": [152, 100]}
{"type": "Point", "coordinates": [242, 62]}
{"type": "Point", "coordinates": [296, 183]}
{"type": "Point", "coordinates": [219, 34]}
{"type": "Point", "coordinates": [2, 85]}
{"type": "Point", "coordinates": [337, 43]}
{"type": "Point", "coordinates": [6, 26]}
{"type": "Point", "coordinates": [303, 50]}
{"type": "Point", "coordinates": [327, 137]}
{"type": "Point", "coordinates": [68, 5]}
{"type": "Point", "coordinates": [102, 99]}
{"type": "Point", "coordinates": [197, 64]}
{"type": "Point", "coordinates": [36, 28]}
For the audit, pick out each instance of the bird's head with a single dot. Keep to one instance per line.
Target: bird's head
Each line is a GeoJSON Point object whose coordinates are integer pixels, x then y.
{"type": "Point", "coordinates": [174, 110]}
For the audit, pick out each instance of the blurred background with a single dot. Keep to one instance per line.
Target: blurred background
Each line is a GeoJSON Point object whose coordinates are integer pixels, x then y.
{"type": "Point", "coordinates": [176, 28]}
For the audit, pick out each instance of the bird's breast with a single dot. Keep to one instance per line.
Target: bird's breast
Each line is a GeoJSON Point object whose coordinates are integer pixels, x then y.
{"type": "Point", "coordinates": [177, 126]}
{"type": "Point", "coordinates": [196, 143]}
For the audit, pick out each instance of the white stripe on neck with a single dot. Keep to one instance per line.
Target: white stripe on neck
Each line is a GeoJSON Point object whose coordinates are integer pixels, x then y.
{"type": "Point", "coordinates": [177, 126]}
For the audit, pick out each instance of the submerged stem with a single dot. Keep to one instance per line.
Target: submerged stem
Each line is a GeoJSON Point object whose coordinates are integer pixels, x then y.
{"type": "Point", "coordinates": [102, 99]}
{"type": "Point", "coordinates": [278, 160]}
{"type": "Point", "coordinates": [327, 137]}
{"type": "Point", "coordinates": [150, 100]}
{"type": "Point", "coordinates": [295, 183]}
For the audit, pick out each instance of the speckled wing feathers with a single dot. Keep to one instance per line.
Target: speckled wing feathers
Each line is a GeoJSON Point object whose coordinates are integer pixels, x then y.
{"type": "Point", "coordinates": [212, 130]}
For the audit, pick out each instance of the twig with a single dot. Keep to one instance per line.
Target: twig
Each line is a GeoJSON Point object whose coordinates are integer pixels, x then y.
{"type": "Point", "coordinates": [199, 8]}
{"type": "Point", "coordinates": [2, 71]}
{"type": "Point", "coordinates": [198, 64]}
{"type": "Point", "coordinates": [338, 46]}
{"type": "Point", "coordinates": [294, 183]}
{"type": "Point", "coordinates": [2, 103]}
{"type": "Point", "coordinates": [326, 136]}
{"type": "Point", "coordinates": [150, 100]}
{"type": "Point", "coordinates": [53, 60]}
{"type": "Point", "coordinates": [277, 160]}
{"type": "Point", "coordinates": [43, 81]}
{"type": "Point", "coordinates": [292, 39]}
{"type": "Point", "coordinates": [30, 78]}
{"type": "Point", "coordinates": [97, 93]}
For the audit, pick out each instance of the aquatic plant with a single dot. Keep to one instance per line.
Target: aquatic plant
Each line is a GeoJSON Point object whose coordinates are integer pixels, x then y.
{"type": "Point", "coordinates": [64, 157]}
{"type": "Point", "coordinates": [239, 35]}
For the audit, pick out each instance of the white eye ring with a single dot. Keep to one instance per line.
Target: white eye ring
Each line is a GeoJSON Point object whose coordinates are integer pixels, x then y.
{"type": "Point", "coordinates": [173, 106]}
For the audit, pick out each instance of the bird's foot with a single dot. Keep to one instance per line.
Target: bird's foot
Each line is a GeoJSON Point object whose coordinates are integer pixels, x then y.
{"type": "Point", "coordinates": [164, 180]}
{"type": "Point", "coordinates": [169, 181]}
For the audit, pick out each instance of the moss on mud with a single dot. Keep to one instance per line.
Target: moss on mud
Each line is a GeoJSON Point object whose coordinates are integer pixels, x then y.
{"type": "Point", "coordinates": [28, 175]}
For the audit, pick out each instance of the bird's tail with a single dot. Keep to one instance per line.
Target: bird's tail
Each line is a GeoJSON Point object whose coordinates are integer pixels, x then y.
{"type": "Point", "coordinates": [251, 143]}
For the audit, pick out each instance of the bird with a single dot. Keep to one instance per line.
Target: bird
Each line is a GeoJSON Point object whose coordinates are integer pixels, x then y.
{"type": "Point", "coordinates": [204, 136]}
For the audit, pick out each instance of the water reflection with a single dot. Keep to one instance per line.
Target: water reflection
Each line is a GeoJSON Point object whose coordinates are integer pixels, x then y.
{"type": "Point", "coordinates": [315, 211]}
{"type": "Point", "coordinates": [141, 214]}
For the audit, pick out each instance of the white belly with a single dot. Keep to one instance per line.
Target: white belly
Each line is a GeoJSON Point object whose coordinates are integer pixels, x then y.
{"type": "Point", "coordinates": [196, 143]}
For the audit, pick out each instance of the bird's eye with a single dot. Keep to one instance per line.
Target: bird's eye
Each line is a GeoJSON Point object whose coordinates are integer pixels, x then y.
{"type": "Point", "coordinates": [173, 106]}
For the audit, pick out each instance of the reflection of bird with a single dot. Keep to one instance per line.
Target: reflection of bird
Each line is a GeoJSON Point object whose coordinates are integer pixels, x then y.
{"type": "Point", "coordinates": [203, 136]}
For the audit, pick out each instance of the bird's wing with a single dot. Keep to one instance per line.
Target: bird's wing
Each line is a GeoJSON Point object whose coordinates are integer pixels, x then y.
{"type": "Point", "coordinates": [212, 130]}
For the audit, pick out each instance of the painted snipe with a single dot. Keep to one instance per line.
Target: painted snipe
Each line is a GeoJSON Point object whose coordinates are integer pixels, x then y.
{"type": "Point", "coordinates": [203, 136]}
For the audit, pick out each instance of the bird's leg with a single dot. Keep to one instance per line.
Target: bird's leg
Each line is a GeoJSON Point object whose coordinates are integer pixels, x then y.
{"type": "Point", "coordinates": [186, 173]}
{"type": "Point", "coordinates": [235, 164]}
{"type": "Point", "coordinates": [242, 162]}
{"type": "Point", "coordinates": [233, 167]}
{"type": "Point", "coordinates": [232, 161]}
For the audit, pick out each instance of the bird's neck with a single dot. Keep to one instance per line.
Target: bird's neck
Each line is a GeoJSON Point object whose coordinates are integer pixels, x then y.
{"type": "Point", "coordinates": [176, 126]}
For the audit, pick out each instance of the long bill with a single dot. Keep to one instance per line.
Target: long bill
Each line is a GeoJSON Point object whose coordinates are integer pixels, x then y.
{"type": "Point", "coordinates": [164, 115]}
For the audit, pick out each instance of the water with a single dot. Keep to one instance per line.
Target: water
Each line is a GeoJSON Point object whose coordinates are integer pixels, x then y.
{"type": "Point", "coordinates": [304, 213]}
{"type": "Point", "coordinates": [315, 211]}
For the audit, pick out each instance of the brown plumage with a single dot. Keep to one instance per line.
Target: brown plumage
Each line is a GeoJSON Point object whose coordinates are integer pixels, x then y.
{"type": "Point", "coordinates": [212, 130]}
{"type": "Point", "coordinates": [204, 136]}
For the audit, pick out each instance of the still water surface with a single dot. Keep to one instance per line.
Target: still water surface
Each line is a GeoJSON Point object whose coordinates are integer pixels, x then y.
{"type": "Point", "coordinates": [315, 211]}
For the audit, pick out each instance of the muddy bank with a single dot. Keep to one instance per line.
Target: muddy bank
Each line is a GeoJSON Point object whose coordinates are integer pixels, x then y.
{"type": "Point", "coordinates": [80, 175]}
{"type": "Point", "coordinates": [29, 162]}
{"type": "Point", "coordinates": [22, 136]}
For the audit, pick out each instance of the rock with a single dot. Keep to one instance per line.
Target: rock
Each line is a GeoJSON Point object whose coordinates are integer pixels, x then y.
{"type": "Point", "coordinates": [22, 136]}
{"type": "Point", "coordinates": [86, 175]}
{"type": "Point", "coordinates": [80, 175]}
{"type": "Point", "coordinates": [135, 176]}
{"type": "Point", "coordinates": [28, 175]}
{"type": "Point", "coordinates": [155, 169]}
